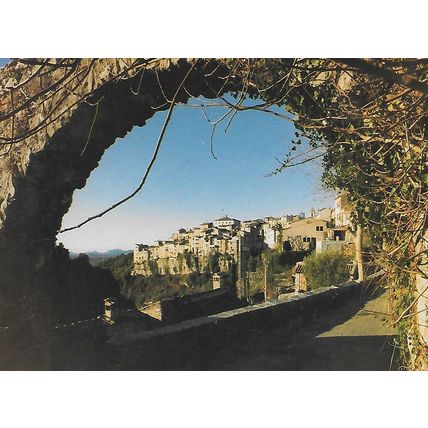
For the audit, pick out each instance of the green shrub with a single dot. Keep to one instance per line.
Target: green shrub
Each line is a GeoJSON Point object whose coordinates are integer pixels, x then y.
{"type": "Point", "coordinates": [326, 268]}
{"type": "Point", "coordinates": [282, 261]}
{"type": "Point", "coordinates": [213, 262]}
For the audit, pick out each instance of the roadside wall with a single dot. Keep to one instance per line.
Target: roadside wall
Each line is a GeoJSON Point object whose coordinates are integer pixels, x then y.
{"type": "Point", "coordinates": [290, 314]}
{"type": "Point", "coordinates": [178, 309]}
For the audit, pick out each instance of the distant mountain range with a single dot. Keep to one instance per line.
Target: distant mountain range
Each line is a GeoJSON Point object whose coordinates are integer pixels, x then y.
{"type": "Point", "coordinates": [97, 256]}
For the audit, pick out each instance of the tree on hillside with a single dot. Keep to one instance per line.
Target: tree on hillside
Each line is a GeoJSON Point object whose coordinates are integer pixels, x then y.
{"type": "Point", "coordinates": [326, 269]}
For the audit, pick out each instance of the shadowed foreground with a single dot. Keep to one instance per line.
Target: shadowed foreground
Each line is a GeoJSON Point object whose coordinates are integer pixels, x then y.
{"type": "Point", "coordinates": [351, 336]}
{"type": "Point", "coordinates": [336, 329]}
{"type": "Point", "coordinates": [361, 342]}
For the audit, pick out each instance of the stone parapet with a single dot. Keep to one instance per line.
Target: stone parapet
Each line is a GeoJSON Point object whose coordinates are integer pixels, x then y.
{"type": "Point", "coordinates": [291, 312]}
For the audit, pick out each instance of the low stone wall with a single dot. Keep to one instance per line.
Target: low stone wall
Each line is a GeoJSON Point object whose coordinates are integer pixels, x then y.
{"type": "Point", "coordinates": [290, 313]}
{"type": "Point", "coordinates": [177, 309]}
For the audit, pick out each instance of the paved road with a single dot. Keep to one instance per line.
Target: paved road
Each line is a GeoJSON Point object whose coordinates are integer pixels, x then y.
{"type": "Point", "coordinates": [351, 337]}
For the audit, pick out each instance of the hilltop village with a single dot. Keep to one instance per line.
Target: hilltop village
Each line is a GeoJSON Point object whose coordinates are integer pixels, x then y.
{"type": "Point", "coordinates": [226, 242]}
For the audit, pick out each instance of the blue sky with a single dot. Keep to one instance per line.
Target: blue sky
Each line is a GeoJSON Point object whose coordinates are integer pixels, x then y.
{"type": "Point", "coordinates": [187, 186]}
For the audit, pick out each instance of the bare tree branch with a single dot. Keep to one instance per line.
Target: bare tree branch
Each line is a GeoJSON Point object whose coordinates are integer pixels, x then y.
{"type": "Point", "coordinates": [149, 167]}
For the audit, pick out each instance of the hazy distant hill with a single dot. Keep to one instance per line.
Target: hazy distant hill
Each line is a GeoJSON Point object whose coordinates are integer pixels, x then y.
{"type": "Point", "coordinates": [96, 257]}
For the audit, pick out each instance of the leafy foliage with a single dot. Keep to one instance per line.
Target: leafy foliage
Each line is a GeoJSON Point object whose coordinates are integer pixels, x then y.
{"type": "Point", "coordinates": [326, 269]}
{"type": "Point", "coordinates": [284, 260]}
{"type": "Point", "coordinates": [213, 262]}
{"type": "Point", "coordinates": [80, 287]}
{"type": "Point", "coordinates": [367, 121]}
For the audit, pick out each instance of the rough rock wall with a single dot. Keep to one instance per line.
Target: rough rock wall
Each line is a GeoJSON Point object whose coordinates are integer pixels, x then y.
{"type": "Point", "coordinates": [39, 117]}
{"type": "Point", "coordinates": [179, 265]}
{"type": "Point", "coordinates": [59, 134]}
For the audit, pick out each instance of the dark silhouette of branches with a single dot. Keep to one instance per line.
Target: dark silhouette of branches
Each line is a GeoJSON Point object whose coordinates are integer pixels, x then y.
{"type": "Point", "coordinates": [369, 68]}
{"type": "Point", "coordinates": [150, 165]}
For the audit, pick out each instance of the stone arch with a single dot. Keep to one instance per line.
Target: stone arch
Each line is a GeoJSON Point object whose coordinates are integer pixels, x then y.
{"type": "Point", "coordinates": [39, 174]}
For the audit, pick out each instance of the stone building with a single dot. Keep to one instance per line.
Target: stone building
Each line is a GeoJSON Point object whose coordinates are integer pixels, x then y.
{"type": "Point", "coordinates": [343, 210]}
{"type": "Point", "coordinates": [271, 229]}
{"type": "Point", "coordinates": [304, 234]}
{"type": "Point", "coordinates": [327, 214]}
{"type": "Point", "coordinates": [234, 240]}
{"type": "Point", "coordinates": [141, 258]}
{"type": "Point", "coordinates": [226, 223]}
